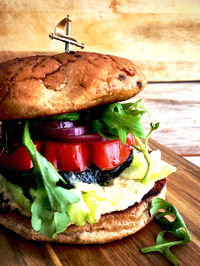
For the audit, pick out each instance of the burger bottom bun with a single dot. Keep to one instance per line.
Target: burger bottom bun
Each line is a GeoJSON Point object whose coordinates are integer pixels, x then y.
{"type": "Point", "coordinates": [110, 227]}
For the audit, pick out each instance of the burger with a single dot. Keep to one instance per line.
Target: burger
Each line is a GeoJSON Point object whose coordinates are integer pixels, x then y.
{"type": "Point", "coordinates": [75, 164]}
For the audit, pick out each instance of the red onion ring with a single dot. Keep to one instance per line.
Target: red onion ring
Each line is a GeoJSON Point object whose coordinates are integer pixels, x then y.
{"type": "Point", "coordinates": [57, 124]}
{"type": "Point", "coordinates": [65, 131]}
{"type": "Point", "coordinates": [59, 133]}
{"type": "Point", "coordinates": [82, 138]}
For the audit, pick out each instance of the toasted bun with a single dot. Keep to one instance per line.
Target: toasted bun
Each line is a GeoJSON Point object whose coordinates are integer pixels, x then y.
{"type": "Point", "coordinates": [110, 227]}
{"type": "Point", "coordinates": [48, 85]}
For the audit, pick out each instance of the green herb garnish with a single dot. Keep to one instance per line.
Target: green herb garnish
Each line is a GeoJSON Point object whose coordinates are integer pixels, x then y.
{"type": "Point", "coordinates": [121, 119]}
{"type": "Point", "coordinates": [176, 228]}
{"type": "Point", "coordinates": [50, 201]}
{"type": "Point", "coordinates": [144, 149]}
{"type": "Point", "coordinates": [65, 117]}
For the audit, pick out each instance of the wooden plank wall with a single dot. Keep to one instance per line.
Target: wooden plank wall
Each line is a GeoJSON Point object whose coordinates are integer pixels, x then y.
{"type": "Point", "coordinates": [162, 36]}
{"type": "Point", "coordinates": [176, 106]}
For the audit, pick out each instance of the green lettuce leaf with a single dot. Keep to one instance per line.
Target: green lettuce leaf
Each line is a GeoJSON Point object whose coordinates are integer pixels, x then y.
{"type": "Point", "coordinates": [50, 201]}
{"type": "Point", "coordinates": [138, 168]}
{"type": "Point", "coordinates": [18, 195]}
{"type": "Point", "coordinates": [83, 211]}
{"type": "Point", "coordinates": [92, 201]}
{"type": "Point", "coordinates": [88, 209]}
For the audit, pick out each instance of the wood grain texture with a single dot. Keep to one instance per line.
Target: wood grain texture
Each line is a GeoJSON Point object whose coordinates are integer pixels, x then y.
{"type": "Point", "coordinates": [142, 6]}
{"type": "Point", "coordinates": [176, 106]}
{"type": "Point", "coordinates": [163, 35]}
{"type": "Point", "coordinates": [183, 192]}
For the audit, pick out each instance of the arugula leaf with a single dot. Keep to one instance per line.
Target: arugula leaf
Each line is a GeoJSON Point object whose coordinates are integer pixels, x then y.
{"type": "Point", "coordinates": [177, 228]}
{"type": "Point", "coordinates": [68, 116]}
{"type": "Point", "coordinates": [50, 201]}
{"type": "Point", "coordinates": [74, 116]}
{"type": "Point", "coordinates": [144, 149]}
{"type": "Point", "coordinates": [117, 120]}
{"type": "Point", "coordinates": [124, 120]}
{"type": "Point", "coordinates": [158, 204]}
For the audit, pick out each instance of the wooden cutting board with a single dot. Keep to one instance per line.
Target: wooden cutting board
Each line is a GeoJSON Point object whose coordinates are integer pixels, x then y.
{"type": "Point", "coordinates": [183, 192]}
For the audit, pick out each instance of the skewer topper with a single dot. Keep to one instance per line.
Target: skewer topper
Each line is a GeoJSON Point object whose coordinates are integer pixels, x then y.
{"type": "Point", "coordinates": [62, 33]}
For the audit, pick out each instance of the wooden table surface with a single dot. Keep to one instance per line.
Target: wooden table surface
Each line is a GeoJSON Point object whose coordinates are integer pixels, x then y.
{"type": "Point", "coordinates": [183, 192]}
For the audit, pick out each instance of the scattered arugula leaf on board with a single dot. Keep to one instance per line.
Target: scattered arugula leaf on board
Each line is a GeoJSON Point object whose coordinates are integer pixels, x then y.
{"type": "Point", "coordinates": [176, 228]}
{"type": "Point", "coordinates": [50, 201]}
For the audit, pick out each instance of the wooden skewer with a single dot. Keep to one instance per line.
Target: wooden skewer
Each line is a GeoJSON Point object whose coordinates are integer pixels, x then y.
{"type": "Point", "coordinates": [68, 31]}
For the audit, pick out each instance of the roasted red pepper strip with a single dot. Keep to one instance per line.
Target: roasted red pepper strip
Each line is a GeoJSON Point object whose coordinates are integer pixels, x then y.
{"type": "Point", "coordinates": [109, 154]}
{"type": "Point", "coordinates": [70, 157]}
{"type": "Point", "coordinates": [19, 159]}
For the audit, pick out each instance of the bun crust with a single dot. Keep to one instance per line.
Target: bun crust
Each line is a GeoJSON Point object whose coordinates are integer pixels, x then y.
{"type": "Point", "coordinates": [48, 85]}
{"type": "Point", "coordinates": [110, 227]}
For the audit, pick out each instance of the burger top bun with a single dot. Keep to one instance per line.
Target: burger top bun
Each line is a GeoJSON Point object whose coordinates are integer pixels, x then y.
{"type": "Point", "coordinates": [48, 85]}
